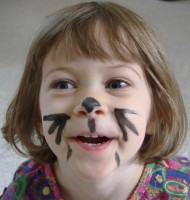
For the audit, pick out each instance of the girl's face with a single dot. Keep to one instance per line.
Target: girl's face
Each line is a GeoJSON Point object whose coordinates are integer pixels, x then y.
{"type": "Point", "coordinates": [94, 113]}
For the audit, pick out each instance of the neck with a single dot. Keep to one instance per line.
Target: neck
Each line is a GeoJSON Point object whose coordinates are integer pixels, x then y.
{"type": "Point", "coordinates": [117, 185]}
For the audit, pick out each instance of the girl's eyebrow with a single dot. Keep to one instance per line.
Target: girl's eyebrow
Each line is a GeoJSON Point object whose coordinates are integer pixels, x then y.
{"type": "Point", "coordinates": [65, 69]}
{"type": "Point", "coordinates": [128, 67]}
{"type": "Point", "coordinates": [70, 70]}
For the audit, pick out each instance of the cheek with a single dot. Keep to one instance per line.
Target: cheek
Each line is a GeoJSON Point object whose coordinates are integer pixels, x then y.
{"type": "Point", "coordinates": [140, 103]}
{"type": "Point", "coordinates": [51, 103]}
{"type": "Point", "coordinates": [131, 148]}
{"type": "Point", "coordinates": [138, 122]}
{"type": "Point", "coordinates": [143, 108]}
{"type": "Point", "coordinates": [141, 126]}
{"type": "Point", "coordinates": [134, 142]}
{"type": "Point", "coordinates": [50, 138]}
{"type": "Point", "coordinates": [58, 149]}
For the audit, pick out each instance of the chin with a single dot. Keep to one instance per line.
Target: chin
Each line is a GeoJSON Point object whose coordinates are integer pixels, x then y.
{"type": "Point", "coordinates": [95, 172]}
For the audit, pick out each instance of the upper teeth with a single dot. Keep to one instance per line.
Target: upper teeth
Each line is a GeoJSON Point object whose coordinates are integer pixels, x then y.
{"type": "Point", "coordinates": [93, 136]}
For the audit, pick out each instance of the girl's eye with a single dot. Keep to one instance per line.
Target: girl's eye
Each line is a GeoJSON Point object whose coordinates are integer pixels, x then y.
{"type": "Point", "coordinates": [63, 85]}
{"type": "Point", "coordinates": [117, 84]}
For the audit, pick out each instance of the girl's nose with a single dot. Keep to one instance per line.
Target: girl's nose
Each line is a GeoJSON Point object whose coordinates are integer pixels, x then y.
{"type": "Point", "coordinates": [89, 106]}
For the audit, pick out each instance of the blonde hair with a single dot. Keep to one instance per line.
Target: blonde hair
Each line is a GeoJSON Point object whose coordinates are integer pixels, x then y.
{"type": "Point", "coordinates": [74, 29]}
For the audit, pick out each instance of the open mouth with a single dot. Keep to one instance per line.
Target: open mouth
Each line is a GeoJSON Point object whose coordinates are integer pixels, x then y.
{"type": "Point", "coordinates": [93, 141]}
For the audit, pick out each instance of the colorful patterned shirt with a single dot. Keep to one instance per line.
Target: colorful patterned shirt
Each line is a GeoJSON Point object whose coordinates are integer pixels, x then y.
{"type": "Point", "coordinates": [167, 180]}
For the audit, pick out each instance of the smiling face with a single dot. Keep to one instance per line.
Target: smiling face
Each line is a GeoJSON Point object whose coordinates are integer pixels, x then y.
{"type": "Point", "coordinates": [95, 113]}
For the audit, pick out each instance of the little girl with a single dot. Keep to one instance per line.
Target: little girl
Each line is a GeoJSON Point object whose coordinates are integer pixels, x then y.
{"type": "Point", "coordinates": [98, 112]}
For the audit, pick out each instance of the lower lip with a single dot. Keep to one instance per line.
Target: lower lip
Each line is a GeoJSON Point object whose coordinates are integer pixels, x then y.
{"type": "Point", "coordinates": [97, 148]}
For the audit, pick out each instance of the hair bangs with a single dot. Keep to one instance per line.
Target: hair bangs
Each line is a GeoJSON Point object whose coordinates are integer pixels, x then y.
{"type": "Point", "coordinates": [98, 36]}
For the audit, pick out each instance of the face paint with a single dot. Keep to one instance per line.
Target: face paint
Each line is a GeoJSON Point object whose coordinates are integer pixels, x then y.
{"type": "Point", "coordinates": [117, 159]}
{"type": "Point", "coordinates": [92, 125]}
{"type": "Point", "coordinates": [123, 121]}
{"type": "Point", "coordinates": [90, 103]}
{"type": "Point", "coordinates": [59, 121]}
{"type": "Point", "coordinates": [69, 153]}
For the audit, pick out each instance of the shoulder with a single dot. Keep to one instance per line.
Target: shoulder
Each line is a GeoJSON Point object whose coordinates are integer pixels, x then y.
{"type": "Point", "coordinates": [168, 179]}
{"type": "Point", "coordinates": [178, 167]}
{"type": "Point", "coordinates": [29, 169]}
{"type": "Point", "coordinates": [30, 180]}
{"type": "Point", "coordinates": [172, 175]}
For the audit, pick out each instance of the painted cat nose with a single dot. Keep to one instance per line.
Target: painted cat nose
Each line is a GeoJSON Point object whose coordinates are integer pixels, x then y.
{"type": "Point", "coordinates": [89, 106]}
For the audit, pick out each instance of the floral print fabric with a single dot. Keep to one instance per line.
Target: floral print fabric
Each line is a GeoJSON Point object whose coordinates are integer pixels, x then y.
{"type": "Point", "coordinates": [167, 180]}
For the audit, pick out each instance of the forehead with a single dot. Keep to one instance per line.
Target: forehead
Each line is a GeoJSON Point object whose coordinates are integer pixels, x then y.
{"type": "Point", "coordinates": [55, 63]}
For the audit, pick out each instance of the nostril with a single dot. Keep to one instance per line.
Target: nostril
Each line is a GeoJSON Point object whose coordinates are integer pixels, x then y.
{"type": "Point", "coordinates": [99, 112]}
{"type": "Point", "coordinates": [82, 113]}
